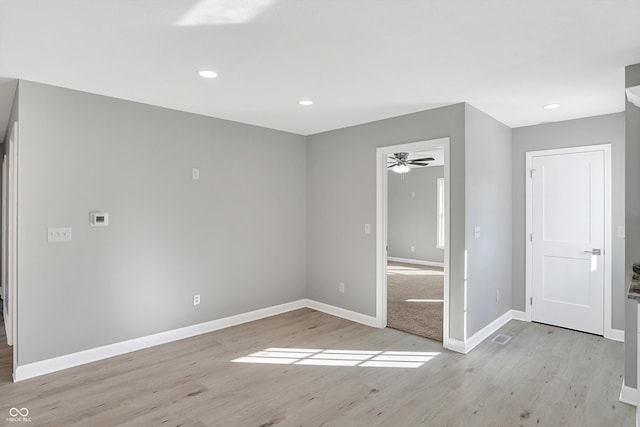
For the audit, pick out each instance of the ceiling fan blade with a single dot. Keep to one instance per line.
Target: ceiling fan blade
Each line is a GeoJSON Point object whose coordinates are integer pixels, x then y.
{"type": "Point", "coordinates": [425, 159]}
{"type": "Point", "coordinates": [418, 164]}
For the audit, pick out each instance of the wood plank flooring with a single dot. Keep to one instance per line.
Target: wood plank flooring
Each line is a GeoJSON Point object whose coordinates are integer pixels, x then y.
{"type": "Point", "coordinates": [545, 376]}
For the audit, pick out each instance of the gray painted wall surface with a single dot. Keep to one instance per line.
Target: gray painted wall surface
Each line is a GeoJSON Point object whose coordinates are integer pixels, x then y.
{"type": "Point", "coordinates": [572, 133]}
{"type": "Point", "coordinates": [487, 205]}
{"type": "Point", "coordinates": [632, 209]}
{"type": "Point", "coordinates": [236, 236]}
{"type": "Point", "coordinates": [341, 198]}
{"type": "Point", "coordinates": [412, 220]}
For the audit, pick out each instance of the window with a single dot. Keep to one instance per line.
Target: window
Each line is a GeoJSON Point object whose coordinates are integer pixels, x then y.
{"type": "Point", "coordinates": [440, 214]}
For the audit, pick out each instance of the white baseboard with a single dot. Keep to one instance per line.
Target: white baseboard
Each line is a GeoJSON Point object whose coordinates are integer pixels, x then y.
{"type": "Point", "coordinates": [628, 395]}
{"type": "Point", "coordinates": [416, 261]}
{"type": "Point", "coordinates": [484, 333]}
{"type": "Point", "coordinates": [455, 345]}
{"type": "Point", "coordinates": [343, 313]}
{"type": "Point", "coordinates": [518, 315]}
{"type": "Point", "coordinates": [466, 346]}
{"type": "Point", "coordinates": [615, 335]}
{"type": "Point", "coordinates": [59, 363]}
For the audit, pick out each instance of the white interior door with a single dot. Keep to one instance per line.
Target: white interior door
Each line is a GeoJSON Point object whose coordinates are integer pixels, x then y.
{"type": "Point", "coordinates": [568, 238]}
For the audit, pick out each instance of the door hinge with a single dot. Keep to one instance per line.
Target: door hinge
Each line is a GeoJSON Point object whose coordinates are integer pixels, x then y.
{"type": "Point", "coordinates": [531, 237]}
{"type": "Point", "coordinates": [530, 300]}
{"type": "Point", "coordinates": [531, 171]}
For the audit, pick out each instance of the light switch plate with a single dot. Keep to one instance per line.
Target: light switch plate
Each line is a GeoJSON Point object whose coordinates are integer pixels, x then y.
{"type": "Point", "coordinates": [367, 229]}
{"type": "Point", "coordinates": [195, 174]}
{"type": "Point", "coordinates": [58, 234]}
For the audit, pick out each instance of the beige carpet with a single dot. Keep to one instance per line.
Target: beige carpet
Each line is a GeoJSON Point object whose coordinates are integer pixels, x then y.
{"type": "Point", "coordinates": [415, 296]}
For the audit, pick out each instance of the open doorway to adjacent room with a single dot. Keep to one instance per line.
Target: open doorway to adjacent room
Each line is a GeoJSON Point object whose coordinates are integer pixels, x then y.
{"type": "Point", "coordinates": [412, 263]}
{"type": "Point", "coordinates": [415, 239]}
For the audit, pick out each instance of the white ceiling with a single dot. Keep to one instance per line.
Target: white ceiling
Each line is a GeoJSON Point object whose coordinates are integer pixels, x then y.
{"type": "Point", "coordinates": [358, 60]}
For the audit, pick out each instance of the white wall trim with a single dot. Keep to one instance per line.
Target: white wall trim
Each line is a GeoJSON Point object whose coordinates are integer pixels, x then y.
{"type": "Point", "coordinates": [615, 335]}
{"type": "Point", "coordinates": [628, 395]}
{"type": "Point", "coordinates": [484, 333]}
{"type": "Point", "coordinates": [59, 363]}
{"type": "Point", "coordinates": [7, 326]}
{"type": "Point", "coordinates": [343, 313]}
{"type": "Point", "coordinates": [416, 261]}
{"type": "Point", "coordinates": [455, 345]}
{"type": "Point", "coordinates": [518, 315]}
{"type": "Point", "coordinates": [66, 361]}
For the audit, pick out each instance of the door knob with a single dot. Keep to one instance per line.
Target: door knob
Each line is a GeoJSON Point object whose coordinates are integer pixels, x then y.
{"type": "Point", "coordinates": [594, 252]}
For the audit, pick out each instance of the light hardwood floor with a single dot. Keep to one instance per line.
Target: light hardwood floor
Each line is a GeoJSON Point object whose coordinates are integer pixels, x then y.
{"type": "Point", "coordinates": [545, 376]}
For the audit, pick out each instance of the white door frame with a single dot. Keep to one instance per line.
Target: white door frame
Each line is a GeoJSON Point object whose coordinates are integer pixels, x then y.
{"type": "Point", "coordinates": [10, 239]}
{"type": "Point", "coordinates": [381, 227]}
{"type": "Point", "coordinates": [5, 247]}
{"type": "Point", "coordinates": [606, 149]}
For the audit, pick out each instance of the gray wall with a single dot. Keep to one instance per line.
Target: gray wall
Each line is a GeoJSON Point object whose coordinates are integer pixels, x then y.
{"type": "Point", "coordinates": [412, 214]}
{"type": "Point", "coordinates": [487, 205]}
{"type": "Point", "coordinates": [632, 209]}
{"type": "Point", "coordinates": [236, 236]}
{"type": "Point", "coordinates": [589, 131]}
{"type": "Point", "coordinates": [341, 198]}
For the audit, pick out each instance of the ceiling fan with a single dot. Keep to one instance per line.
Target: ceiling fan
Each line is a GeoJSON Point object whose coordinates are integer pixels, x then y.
{"type": "Point", "coordinates": [399, 162]}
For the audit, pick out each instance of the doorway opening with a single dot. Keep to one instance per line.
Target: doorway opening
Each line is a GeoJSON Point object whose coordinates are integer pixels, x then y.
{"type": "Point", "coordinates": [412, 238]}
{"type": "Point", "coordinates": [415, 240]}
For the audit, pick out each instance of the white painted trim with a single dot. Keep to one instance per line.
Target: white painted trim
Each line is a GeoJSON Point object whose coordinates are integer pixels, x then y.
{"type": "Point", "coordinates": [518, 315]}
{"type": "Point", "coordinates": [455, 345]}
{"type": "Point", "coordinates": [484, 333]}
{"type": "Point", "coordinates": [528, 291]}
{"type": "Point", "coordinates": [12, 238]}
{"type": "Point", "coordinates": [343, 313]}
{"type": "Point", "coordinates": [59, 363]}
{"type": "Point", "coordinates": [381, 228]}
{"type": "Point", "coordinates": [628, 395]}
{"type": "Point", "coordinates": [608, 332]}
{"type": "Point", "coordinates": [415, 261]}
{"type": "Point", "coordinates": [7, 327]}
{"type": "Point", "coordinates": [615, 335]}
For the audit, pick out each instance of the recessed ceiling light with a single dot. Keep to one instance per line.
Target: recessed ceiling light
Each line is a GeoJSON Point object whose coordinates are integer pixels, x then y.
{"type": "Point", "coordinates": [551, 106]}
{"type": "Point", "coordinates": [305, 102]}
{"type": "Point", "coordinates": [208, 74]}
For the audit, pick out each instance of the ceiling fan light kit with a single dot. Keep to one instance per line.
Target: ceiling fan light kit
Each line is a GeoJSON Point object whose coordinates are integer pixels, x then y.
{"type": "Point", "coordinates": [401, 168]}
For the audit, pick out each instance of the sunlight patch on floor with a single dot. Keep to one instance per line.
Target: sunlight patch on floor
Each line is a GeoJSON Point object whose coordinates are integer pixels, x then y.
{"type": "Point", "coordinates": [320, 357]}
